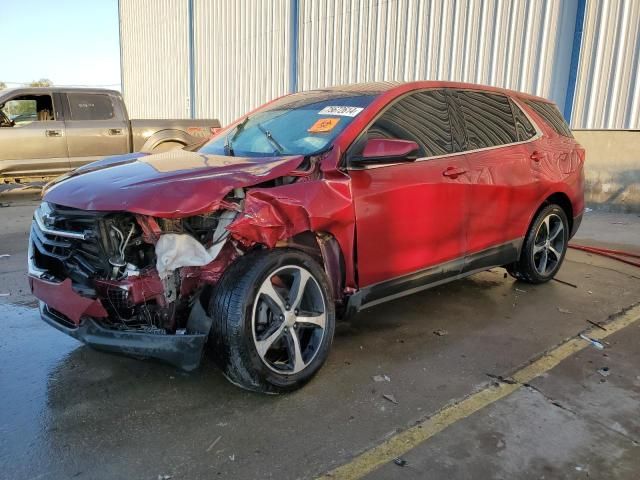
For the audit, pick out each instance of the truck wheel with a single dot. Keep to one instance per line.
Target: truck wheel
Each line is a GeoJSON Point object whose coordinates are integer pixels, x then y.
{"type": "Point", "coordinates": [166, 146]}
{"type": "Point", "coordinates": [544, 248]}
{"type": "Point", "coordinates": [273, 320]}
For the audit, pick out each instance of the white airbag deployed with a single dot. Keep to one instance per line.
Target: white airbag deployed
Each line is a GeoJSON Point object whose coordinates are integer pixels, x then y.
{"type": "Point", "coordinates": [180, 250]}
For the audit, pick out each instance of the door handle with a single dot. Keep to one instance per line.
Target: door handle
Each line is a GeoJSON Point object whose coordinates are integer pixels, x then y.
{"type": "Point", "coordinates": [453, 172]}
{"type": "Point", "coordinates": [53, 133]}
{"type": "Point", "coordinates": [536, 156]}
{"type": "Point", "coordinates": [115, 131]}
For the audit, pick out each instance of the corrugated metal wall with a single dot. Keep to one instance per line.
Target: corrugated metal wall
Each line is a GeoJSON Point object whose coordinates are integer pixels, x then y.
{"type": "Point", "coordinates": [155, 57]}
{"type": "Point", "coordinates": [608, 81]}
{"type": "Point", "coordinates": [241, 55]}
{"type": "Point", "coordinates": [242, 51]}
{"type": "Point", "coordinates": [506, 43]}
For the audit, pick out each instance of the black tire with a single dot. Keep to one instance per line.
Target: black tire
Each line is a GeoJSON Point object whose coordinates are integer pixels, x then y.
{"type": "Point", "coordinates": [528, 267]}
{"type": "Point", "coordinates": [234, 304]}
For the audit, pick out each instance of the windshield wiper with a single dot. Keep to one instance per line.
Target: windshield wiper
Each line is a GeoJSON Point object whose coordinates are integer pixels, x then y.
{"type": "Point", "coordinates": [279, 148]}
{"type": "Point", "coordinates": [228, 147]}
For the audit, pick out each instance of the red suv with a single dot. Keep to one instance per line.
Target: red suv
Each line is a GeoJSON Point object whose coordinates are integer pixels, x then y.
{"type": "Point", "coordinates": [314, 206]}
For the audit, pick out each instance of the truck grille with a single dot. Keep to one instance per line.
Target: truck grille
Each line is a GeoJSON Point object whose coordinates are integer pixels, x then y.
{"type": "Point", "coordinates": [67, 243]}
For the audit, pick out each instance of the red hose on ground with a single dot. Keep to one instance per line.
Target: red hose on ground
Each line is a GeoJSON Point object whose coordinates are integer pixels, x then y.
{"type": "Point", "coordinates": [607, 252]}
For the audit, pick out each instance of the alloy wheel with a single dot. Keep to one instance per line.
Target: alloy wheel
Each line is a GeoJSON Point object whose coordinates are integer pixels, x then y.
{"type": "Point", "coordinates": [549, 244]}
{"type": "Point", "coordinates": [289, 319]}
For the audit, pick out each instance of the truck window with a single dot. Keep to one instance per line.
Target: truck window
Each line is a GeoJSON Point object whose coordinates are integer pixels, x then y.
{"type": "Point", "coordinates": [90, 106]}
{"type": "Point", "coordinates": [29, 108]}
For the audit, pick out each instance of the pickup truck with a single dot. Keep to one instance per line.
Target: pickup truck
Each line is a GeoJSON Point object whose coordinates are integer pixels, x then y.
{"type": "Point", "coordinates": [45, 132]}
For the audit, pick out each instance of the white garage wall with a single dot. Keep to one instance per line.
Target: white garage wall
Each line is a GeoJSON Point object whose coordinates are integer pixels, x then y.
{"type": "Point", "coordinates": [234, 55]}
{"type": "Point", "coordinates": [241, 55]}
{"type": "Point", "coordinates": [506, 43]}
{"type": "Point", "coordinates": [154, 46]}
{"type": "Point", "coordinates": [608, 80]}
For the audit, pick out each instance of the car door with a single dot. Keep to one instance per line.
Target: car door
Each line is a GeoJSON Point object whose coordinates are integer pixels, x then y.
{"type": "Point", "coordinates": [410, 216]}
{"type": "Point", "coordinates": [35, 143]}
{"type": "Point", "coordinates": [501, 181]}
{"type": "Point", "coordinates": [96, 127]}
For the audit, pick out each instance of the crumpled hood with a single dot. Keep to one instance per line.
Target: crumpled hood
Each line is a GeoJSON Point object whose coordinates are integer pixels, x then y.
{"type": "Point", "coordinates": [177, 183]}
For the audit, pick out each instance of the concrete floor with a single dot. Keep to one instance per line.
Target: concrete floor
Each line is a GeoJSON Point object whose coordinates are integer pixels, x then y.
{"type": "Point", "coordinates": [71, 412]}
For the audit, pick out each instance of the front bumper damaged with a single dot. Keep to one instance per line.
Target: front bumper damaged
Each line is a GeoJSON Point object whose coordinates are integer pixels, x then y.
{"type": "Point", "coordinates": [182, 351]}
{"type": "Point", "coordinates": [69, 312]}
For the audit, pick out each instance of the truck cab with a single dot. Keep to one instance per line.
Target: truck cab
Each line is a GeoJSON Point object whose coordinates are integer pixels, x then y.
{"type": "Point", "coordinates": [45, 132]}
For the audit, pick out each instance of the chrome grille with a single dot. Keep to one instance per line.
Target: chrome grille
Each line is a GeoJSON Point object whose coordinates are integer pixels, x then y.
{"type": "Point", "coordinates": [66, 243]}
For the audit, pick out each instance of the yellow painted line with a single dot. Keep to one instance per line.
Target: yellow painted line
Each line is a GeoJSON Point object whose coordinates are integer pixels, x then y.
{"type": "Point", "coordinates": [406, 440]}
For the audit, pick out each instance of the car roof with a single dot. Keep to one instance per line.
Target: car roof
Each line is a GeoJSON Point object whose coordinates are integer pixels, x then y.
{"type": "Point", "coordinates": [43, 90]}
{"type": "Point", "coordinates": [376, 88]}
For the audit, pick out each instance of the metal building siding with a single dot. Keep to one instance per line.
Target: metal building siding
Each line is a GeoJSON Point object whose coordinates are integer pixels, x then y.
{"type": "Point", "coordinates": [608, 81]}
{"type": "Point", "coordinates": [155, 57]}
{"type": "Point", "coordinates": [506, 43]}
{"type": "Point", "coordinates": [241, 55]}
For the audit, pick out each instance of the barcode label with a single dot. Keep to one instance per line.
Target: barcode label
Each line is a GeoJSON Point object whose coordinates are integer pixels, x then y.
{"type": "Point", "coordinates": [343, 111]}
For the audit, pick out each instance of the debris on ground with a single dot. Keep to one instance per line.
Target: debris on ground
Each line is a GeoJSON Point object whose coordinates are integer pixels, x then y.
{"type": "Point", "coordinates": [500, 378]}
{"type": "Point", "coordinates": [604, 371]}
{"type": "Point", "coordinates": [564, 310]}
{"type": "Point", "coordinates": [596, 324]}
{"type": "Point", "coordinates": [232, 457]}
{"type": "Point", "coordinates": [520, 291]}
{"type": "Point", "coordinates": [164, 477]}
{"type": "Point", "coordinates": [593, 342]}
{"type": "Point", "coordinates": [565, 282]}
{"type": "Point", "coordinates": [401, 462]}
{"type": "Point", "coordinates": [441, 332]}
{"type": "Point", "coordinates": [391, 398]}
{"type": "Point", "coordinates": [4, 294]}
{"type": "Point", "coordinates": [4, 255]}
{"type": "Point", "coordinates": [381, 378]}
{"type": "Point", "coordinates": [213, 444]}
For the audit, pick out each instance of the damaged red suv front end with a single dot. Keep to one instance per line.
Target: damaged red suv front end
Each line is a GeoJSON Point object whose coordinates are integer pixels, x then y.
{"type": "Point", "coordinates": [120, 251]}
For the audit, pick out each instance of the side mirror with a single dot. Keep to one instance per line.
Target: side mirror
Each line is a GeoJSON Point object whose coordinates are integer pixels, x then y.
{"type": "Point", "coordinates": [388, 150]}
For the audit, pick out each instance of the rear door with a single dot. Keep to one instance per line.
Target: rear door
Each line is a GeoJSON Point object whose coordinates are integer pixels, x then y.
{"type": "Point", "coordinates": [36, 143]}
{"type": "Point", "coordinates": [410, 216]}
{"type": "Point", "coordinates": [96, 127]}
{"type": "Point", "coordinates": [502, 183]}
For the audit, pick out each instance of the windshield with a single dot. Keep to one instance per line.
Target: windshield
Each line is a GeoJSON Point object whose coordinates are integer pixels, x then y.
{"type": "Point", "coordinates": [299, 124]}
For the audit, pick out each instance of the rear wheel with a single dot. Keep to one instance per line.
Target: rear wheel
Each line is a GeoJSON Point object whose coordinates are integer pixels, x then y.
{"type": "Point", "coordinates": [273, 320]}
{"type": "Point", "coordinates": [544, 247]}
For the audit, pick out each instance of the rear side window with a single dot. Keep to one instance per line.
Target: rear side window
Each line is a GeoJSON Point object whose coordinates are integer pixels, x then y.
{"type": "Point", "coordinates": [524, 129]}
{"type": "Point", "coordinates": [488, 119]}
{"type": "Point", "coordinates": [550, 114]}
{"type": "Point", "coordinates": [422, 117]}
{"type": "Point", "coordinates": [85, 106]}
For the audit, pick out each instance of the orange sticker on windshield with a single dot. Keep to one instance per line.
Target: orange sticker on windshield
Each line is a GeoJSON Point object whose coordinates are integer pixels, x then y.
{"type": "Point", "coordinates": [324, 125]}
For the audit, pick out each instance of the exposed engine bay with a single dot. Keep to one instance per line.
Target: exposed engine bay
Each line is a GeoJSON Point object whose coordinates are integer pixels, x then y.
{"type": "Point", "coordinates": [144, 270]}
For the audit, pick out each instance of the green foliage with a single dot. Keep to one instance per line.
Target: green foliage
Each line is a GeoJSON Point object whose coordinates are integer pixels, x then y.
{"type": "Point", "coordinates": [3, 85]}
{"type": "Point", "coordinates": [43, 82]}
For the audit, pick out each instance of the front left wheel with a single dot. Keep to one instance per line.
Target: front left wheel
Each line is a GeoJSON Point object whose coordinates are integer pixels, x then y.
{"type": "Point", "coordinates": [273, 320]}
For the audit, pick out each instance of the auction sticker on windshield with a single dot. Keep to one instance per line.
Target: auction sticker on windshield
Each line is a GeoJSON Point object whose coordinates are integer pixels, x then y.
{"type": "Point", "coordinates": [340, 110]}
{"type": "Point", "coordinates": [324, 125]}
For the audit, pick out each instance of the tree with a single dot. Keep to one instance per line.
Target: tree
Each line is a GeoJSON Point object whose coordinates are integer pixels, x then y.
{"type": "Point", "coordinates": [3, 85]}
{"type": "Point", "coordinates": [43, 82]}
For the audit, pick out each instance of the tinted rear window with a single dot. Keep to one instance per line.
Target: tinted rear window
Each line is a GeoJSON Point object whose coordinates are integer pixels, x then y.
{"type": "Point", "coordinates": [550, 114]}
{"type": "Point", "coordinates": [488, 119]}
{"type": "Point", "coordinates": [85, 106]}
